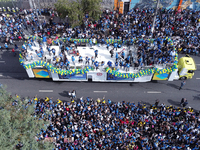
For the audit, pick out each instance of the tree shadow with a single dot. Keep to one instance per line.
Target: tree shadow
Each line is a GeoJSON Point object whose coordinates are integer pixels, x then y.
{"type": "Point", "coordinates": [175, 103]}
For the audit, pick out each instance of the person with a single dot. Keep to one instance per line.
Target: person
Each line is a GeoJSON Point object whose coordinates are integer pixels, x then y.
{"type": "Point", "coordinates": [185, 103]}
{"type": "Point", "coordinates": [87, 60]}
{"type": "Point", "coordinates": [67, 49]}
{"type": "Point", "coordinates": [121, 64]}
{"type": "Point", "coordinates": [96, 54]}
{"type": "Point", "coordinates": [80, 59]}
{"type": "Point", "coordinates": [96, 64]}
{"type": "Point", "coordinates": [53, 51]}
{"type": "Point", "coordinates": [47, 99]}
{"type": "Point", "coordinates": [16, 47]}
{"type": "Point", "coordinates": [31, 56]}
{"type": "Point", "coordinates": [123, 54]}
{"type": "Point", "coordinates": [49, 50]}
{"type": "Point", "coordinates": [112, 53]}
{"type": "Point", "coordinates": [156, 103]}
{"type": "Point", "coordinates": [127, 67]}
{"type": "Point", "coordinates": [14, 53]}
{"type": "Point", "coordinates": [108, 46]}
{"type": "Point", "coordinates": [6, 46]}
{"type": "Point", "coordinates": [90, 42]}
{"type": "Point", "coordinates": [73, 94]}
{"type": "Point", "coordinates": [117, 56]}
{"type": "Point", "coordinates": [116, 65]}
{"type": "Point", "coordinates": [73, 60]}
{"type": "Point", "coordinates": [182, 84]}
{"type": "Point", "coordinates": [93, 60]}
{"type": "Point", "coordinates": [75, 43]}
{"type": "Point", "coordinates": [44, 39]}
{"type": "Point", "coordinates": [115, 46]}
{"type": "Point", "coordinates": [182, 101]}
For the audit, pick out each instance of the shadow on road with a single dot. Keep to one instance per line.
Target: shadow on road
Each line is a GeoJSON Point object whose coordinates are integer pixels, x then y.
{"type": "Point", "coordinates": [10, 66]}
{"type": "Point", "coordinates": [65, 94]}
{"type": "Point", "coordinates": [146, 103]}
{"type": "Point", "coordinates": [173, 85]}
{"type": "Point", "coordinates": [132, 83]}
{"type": "Point", "coordinates": [174, 102]}
{"type": "Point", "coordinates": [196, 97]}
{"type": "Point", "coordinates": [194, 90]}
{"type": "Point", "coordinates": [42, 79]}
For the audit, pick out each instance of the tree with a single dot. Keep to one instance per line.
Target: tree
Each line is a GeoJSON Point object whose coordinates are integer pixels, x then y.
{"type": "Point", "coordinates": [18, 125]}
{"type": "Point", "coordinates": [77, 9]}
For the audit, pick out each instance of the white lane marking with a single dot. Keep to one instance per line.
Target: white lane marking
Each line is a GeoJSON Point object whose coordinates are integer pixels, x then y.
{"type": "Point", "coordinates": [197, 64]}
{"type": "Point", "coordinates": [153, 92]}
{"type": "Point", "coordinates": [2, 61]}
{"type": "Point", "coordinates": [100, 91]}
{"type": "Point", "coordinates": [1, 75]}
{"type": "Point", "coordinates": [47, 91]}
{"type": "Point", "coordinates": [197, 78]}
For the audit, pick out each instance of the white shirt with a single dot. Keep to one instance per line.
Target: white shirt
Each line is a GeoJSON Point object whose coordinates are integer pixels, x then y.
{"type": "Point", "coordinates": [172, 53]}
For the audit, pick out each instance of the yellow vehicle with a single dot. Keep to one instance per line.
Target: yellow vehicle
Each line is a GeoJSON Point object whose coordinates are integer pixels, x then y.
{"type": "Point", "coordinates": [186, 67]}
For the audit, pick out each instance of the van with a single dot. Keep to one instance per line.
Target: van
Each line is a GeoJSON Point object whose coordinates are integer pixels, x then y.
{"type": "Point", "coordinates": [186, 67]}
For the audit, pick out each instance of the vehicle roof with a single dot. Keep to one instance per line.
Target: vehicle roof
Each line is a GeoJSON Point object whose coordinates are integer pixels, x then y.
{"type": "Point", "coordinates": [188, 62]}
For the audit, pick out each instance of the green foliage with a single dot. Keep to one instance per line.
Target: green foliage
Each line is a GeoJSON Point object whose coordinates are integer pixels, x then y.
{"type": "Point", "coordinates": [76, 10]}
{"type": "Point", "coordinates": [17, 124]}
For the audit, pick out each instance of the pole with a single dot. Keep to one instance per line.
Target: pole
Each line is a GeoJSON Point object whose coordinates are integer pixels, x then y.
{"type": "Point", "coordinates": [154, 19]}
{"type": "Point", "coordinates": [179, 5]}
{"type": "Point", "coordinates": [38, 1]}
{"type": "Point", "coordinates": [30, 3]}
{"type": "Point", "coordinates": [13, 4]}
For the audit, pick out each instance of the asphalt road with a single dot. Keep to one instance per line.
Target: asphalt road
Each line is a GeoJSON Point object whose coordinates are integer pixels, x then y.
{"type": "Point", "coordinates": [14, 76]}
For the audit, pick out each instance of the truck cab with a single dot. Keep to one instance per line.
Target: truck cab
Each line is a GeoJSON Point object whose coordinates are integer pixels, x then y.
{"type": "Point", "coordinates": [186, 67]}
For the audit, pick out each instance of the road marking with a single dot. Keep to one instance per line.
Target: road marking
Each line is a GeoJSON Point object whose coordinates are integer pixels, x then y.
{"type": "Point", "coordinates": [100, 91]}
{"type": "Point", "coordinates": [198, 78]}
{"type": "Point", "coordinates": [2, 61]}
{"type": "Point", "coordinates": [1, 75]}
{"type": "Point", "coordinates": [153, 92]}
{"type": "Point", "coordinates": [47, 91]}
{"type": "Point", "coordinates": [198, 64]}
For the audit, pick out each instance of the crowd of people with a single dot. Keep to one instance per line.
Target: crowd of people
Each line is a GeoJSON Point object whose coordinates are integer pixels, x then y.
{"type": "Point", "coordinates": [132, 29]}
{"type": "Point", "coordinates": [106, 125]}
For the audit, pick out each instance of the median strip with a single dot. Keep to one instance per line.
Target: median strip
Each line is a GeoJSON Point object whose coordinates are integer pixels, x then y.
{"type": "Point", "coordinates": [100, 91]}
{"type": "Point", "coordinates": [46, 91]}
{"type": "Point", "coordinates": [152, 92]}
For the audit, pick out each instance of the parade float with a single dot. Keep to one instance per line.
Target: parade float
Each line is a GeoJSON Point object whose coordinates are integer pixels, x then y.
{"type": "Point", "coordinates": [43, 68]}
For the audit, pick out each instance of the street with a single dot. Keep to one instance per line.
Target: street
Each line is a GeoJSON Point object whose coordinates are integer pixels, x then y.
{"type": "Point", "coordinates": [14, 76]}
